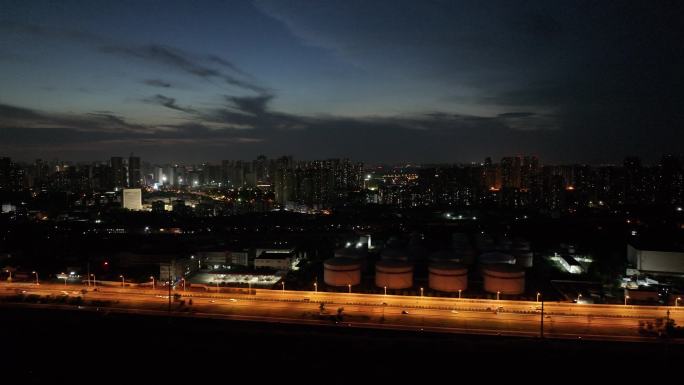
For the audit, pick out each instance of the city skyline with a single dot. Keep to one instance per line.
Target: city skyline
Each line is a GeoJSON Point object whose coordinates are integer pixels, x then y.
{"type": "Point", "coordinates": [381, 82]}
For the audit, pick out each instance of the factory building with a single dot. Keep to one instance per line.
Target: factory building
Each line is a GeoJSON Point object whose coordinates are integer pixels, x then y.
{"type": "Point", "coordinates": [656, 261]}
{"type": "Point", "coordinates": [132, 199]}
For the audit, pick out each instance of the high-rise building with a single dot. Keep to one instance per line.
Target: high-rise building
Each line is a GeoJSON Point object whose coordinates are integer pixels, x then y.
{"type": "Point", "coordinates": [511, 172]}
{"type": "Point", "coordinates": [118, 172]}
{"type": "Point", "coordinates": [134, 173]}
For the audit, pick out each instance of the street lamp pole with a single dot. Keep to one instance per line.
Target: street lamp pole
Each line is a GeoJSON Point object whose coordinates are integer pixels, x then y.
{"type": "Point", "coordinates": [123, 280]}
{"type": "Point", "coordinates": [538, 296]}
{"type": "Point", "coordinates": [626, 298]}
{"type": "Point", "coordinates": [65, 279]}
{"type": "Point", "coordinates": [677, 301]}
{"type": "Point", "coordinates": [349, 285]}
{"type": "Point", "coordinates": [578, 298]}
{"type": "Point", "coordinates": [497, 295]}
{"type": "Point", "coordinates": [421, 291]}
{"type": "Point", "coordinates": [283, 283]}
{"type": "Point", "coordinates": [94, 280]}
{"type": "Point", "coordinates": [37, 283]}
{"type": "Point", "coordinates": [183, 280]}
{"type": "Point", "coordinates": [459, 293]}
{"type": "Point", "coordinates": [541, 328]}
{"type": "Point", "coordinates": [315, 287]}
{"type": "Point", "coordinates": [385, 290]}
{"type": "Point", "coordinates": [152, 278]}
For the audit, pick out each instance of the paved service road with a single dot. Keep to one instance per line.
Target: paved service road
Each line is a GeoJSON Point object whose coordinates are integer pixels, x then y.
{"type": "Point", "coordinates": [521, 318]}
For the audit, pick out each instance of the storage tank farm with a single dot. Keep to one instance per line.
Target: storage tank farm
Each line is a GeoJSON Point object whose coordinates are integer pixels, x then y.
{"type": "Point", "coordinates": [448, 276]}
{"type": "Point", "coordinates": [462, 248]}
{"type": "Point", "coordinates": [342, 271]}
{"type": "Point", "coordinates": [353, 252]}
{"type": "Point", "coordinates": [523, 253]}
{"type": "Point", "coordinates": [504, 278]}
{"type": "Point", "coordinates": [393, 274]}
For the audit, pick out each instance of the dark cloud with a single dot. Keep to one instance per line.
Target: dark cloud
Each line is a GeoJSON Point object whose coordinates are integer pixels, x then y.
{"type": "Point", "coordinates": [152, 53]}
{"type": "Point", "coordinates": [507, 115]}
{"type": "Point", "coordinates": [248, 122]}
{"type": "Point", "coordinates": [157, 83]}
{"type": "Point", "coordinates": [101, 121]}
{"type": "Point", "coordinates": [168, 103]}
{"type": "Point", "coordinates": [177, 59]}
{"type": "Point", "coordinates": [254, 105]}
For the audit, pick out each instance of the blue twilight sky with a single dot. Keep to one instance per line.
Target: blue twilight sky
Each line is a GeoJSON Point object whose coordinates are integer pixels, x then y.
{"type": "Point", "coordinates": [380, 81]}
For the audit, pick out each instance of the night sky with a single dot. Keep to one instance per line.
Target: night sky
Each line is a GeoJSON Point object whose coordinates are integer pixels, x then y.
{"type": "Point", "coordinates": [378, 81]}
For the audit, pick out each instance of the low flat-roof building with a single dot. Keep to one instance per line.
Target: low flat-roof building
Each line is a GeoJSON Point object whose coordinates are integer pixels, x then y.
{"type": "Point", "coordinates": [274, 260]}
{"type": "Point", "coordinates": [656, 261]}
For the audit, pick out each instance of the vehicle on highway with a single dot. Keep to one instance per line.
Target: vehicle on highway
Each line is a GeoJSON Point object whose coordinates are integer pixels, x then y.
{"type": "Point", "coordinates": [404, 312]}
{"type": "Point", "coordinates": [212, 301]}
{"type": "Point", "coordinates": [232, 300]}
{"type": "Point", "coordinates": [454, 311]}
{"type": "Point", "coordinates": [306, 300]}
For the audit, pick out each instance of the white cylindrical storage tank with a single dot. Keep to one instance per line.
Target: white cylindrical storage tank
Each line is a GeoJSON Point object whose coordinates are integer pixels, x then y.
{"type": "Point", "coordinates": [496, 257]}
{"type": "Point", "coordinates": [394, 254]}
{"type": "Point", "coordinates": [460, 240]}
{"type": "Point", "coordinates": [504, 278]}
{"type": "Point", "coordinates": [444, 256]}
{"type": "Point", "coordinates": [393, 274]}
{"type": "Point", "coordinates": [523, 258]}
{"type": "Point", "coordinates": [504, 243]}
{"type": "Point", "coordinates": [466, 255]}
{"type": "Point", "coordinates": [449, 277]}
{"type": "Point", "coordinates": [521, 244]}
{"type": "Point", "coordinates": [359, 255]}
{"type": "Point", "coordinates": [342, 271]}
{"type": "Point", "coordinates": [484, 242]}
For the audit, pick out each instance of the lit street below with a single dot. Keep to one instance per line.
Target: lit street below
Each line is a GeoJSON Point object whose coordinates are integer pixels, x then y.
{"type": "Point", "coordinates": [448, 315]}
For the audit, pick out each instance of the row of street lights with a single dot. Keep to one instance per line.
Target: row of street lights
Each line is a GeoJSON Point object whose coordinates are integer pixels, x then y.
{"type": "Point", "coordinates": [123, 284]}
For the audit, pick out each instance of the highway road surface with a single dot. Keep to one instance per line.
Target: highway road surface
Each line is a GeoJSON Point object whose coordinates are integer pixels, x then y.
{"type": "Point", "coordinates": [451, 315]}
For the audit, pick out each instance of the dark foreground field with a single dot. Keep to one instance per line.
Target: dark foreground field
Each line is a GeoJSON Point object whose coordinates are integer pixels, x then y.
{"type": "Point", "coordinates": [61, 347]}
